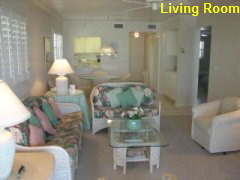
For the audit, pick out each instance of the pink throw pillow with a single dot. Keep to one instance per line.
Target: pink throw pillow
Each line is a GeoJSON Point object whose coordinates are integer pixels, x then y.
{"type": "Point", "coordinates": [55, 108]}
{"type": "Point", "coordinates": [44, 121]}
{"type": "Point", "coordinates": [36, 137]}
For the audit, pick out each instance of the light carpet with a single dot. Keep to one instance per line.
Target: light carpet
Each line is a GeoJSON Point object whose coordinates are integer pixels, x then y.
{"type": "Point", "coordinates": [183, 157]}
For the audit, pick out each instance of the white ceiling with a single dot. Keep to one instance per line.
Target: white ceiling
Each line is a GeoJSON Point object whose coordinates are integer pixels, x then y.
{"type": "Point", "coordinates": [110, 9]}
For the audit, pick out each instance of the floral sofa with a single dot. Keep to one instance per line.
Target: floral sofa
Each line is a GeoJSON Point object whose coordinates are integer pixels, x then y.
{"type": "Point", "coordinates": [63, 140]}
{"type": "Point", "coordinates": [102, 109]}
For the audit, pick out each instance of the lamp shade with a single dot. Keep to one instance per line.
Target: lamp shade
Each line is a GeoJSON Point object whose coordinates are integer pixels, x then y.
{"type": "Point", "coordinates": [60, 67]}
{"type": "Point", "coordinates": [12, 110]}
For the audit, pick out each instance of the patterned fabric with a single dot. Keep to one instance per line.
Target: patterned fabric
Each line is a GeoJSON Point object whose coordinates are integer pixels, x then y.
{"type": "Point", "coordinates": [44, 121]}
{"type": "Point", "coordinates": [108, 112]}
{"type": "Point", "coordinates": [100, 98]}
{"type": "Point", "coordinates": [20, 132]}
{"type": "Point", "coordinates": [47, 109]}
{"type": "Point", "coordinates": [69, 143]}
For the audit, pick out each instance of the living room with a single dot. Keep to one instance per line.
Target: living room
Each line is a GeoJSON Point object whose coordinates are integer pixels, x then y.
{"type": "Point", "coordinates": [97, 19]}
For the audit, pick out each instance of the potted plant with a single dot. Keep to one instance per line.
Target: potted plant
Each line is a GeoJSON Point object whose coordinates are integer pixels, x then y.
{"type": "Point", "coordinates": [133, 121]}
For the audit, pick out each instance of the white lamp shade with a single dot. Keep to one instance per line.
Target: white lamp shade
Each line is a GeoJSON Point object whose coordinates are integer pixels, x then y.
{"type": "Point", "coordinates": [12, 110]}
{"type": "Point", "coordinates": [61, 67]}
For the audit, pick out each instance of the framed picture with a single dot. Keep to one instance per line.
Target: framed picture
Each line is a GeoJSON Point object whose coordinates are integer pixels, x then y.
{"type": "Point", "coordinates": [48, 53]}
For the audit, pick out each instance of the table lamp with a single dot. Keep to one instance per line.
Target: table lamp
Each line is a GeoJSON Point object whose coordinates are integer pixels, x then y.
{"type": "Point", "coordinates": [12, 112]}
{"type": "Point", "coordinates": [61, 67]}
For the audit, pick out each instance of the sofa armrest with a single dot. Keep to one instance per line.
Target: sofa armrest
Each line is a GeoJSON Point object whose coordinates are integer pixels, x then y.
{"type": "Point", "coordinates": [62, 165]}
{"type": "Point", "coordinates": [206, 109]}
{"type": "Point", "coordinates": [68, 107]}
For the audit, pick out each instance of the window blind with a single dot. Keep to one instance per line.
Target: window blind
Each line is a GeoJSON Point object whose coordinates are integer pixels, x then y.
{"type": "Point", "coordinates": [58, 46]}
{"type": "Point", "coordinates": [13, 47]}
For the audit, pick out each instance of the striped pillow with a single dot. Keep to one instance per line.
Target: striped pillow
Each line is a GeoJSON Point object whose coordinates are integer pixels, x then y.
{"type": "Point", "coordinates": [55, 108]}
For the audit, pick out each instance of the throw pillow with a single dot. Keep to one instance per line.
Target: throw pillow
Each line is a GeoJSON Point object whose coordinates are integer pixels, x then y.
{"type": "Point", "coordinates": [20, 133]}
{"type": "Point", "coordinates": [55, 108]}
{"type": "Point", "coordinates": [138, 93]}
{"type": "Point", "coordinates": [112, 96]}
{"type": "Point", "coordinates": [34, 120]}
{"type": "Point", "coordinates": [37, 136]}
{"type": "Point", "coordinates": [127, 98]}
{"type": "Point", "coordinates": [47, 127]}
{"type": "Point", "coordinates": [47, 109]}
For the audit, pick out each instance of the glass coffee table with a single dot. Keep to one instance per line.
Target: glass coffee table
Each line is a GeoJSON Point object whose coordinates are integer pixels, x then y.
{"type": "Point", "coordinates": [143, 144]}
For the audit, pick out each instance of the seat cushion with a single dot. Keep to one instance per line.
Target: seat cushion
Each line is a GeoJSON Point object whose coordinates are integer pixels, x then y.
{"type": "Point", "coordinates": [230, 104]}
{"type": "Point", "coordinates": [107, 112]}
{"type": "Point", "coordinates": [204, 123]}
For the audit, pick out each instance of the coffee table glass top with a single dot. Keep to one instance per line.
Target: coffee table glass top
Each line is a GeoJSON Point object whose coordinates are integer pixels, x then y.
{"type": "Point", "coordinates": [148, 135]}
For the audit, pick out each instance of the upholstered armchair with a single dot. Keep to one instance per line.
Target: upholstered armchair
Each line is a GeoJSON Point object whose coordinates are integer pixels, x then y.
{"type": "Point", "coordinates": [216, 125]}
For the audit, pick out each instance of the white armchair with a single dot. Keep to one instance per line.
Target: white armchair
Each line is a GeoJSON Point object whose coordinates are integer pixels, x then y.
{"type": "Point", "coordinates": [216, 125]}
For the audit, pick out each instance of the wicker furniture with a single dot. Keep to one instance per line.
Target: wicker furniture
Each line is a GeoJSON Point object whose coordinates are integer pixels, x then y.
{"type": "Point", "coordinates": [65, 144]}
{"type": "Point", "coordinates": [146, 142]}
{"type": "Point", "coordinates": [216, 124]}
{"type": "Point", "coordinates": [102, 109]}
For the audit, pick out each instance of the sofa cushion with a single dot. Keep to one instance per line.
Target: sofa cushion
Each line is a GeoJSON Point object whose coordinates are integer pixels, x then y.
{"type": "Point", "coordinates": [230, 104]}
{"type": "Point", "coordinates": [36, 136]}
{"type": "Point", "coordinates": [204, 123]}
{"type": "Point", "coordinates": [138, 94]}
{"type": "Point", "coordinates": [47, 109]}
{"type": "Point", "coordinates": [69, 143]}
{"type": "Point", "coordinates": [127, 98]}
{"type": "Point", "coordinates": [44, 121]}
{"type": "Point", "coordinates": [107, 112]}
{"type": "Point", "coordinates": [112, 96]}
{"type": "Point", "coordinates": [20, 132]}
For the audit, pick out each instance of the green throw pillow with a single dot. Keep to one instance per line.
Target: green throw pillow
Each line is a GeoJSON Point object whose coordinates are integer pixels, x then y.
{"type": "Point", "coordinates": [112, 96]}
{"type": "Point", "coordinates": [127, 98]}
{"type": "Point", "coordinates": [47, 109]}
{"type": "Point", "coordinates": [138, 93]}
{"type": "Point", "coordinates": [34, 121]}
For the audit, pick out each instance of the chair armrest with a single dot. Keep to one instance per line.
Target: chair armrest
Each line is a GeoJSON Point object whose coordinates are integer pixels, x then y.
{"type": "Point", "coordinates": [62, 165]}
{"type": "Point", "coordinates": [68, 107]}
{"type": "Point", "coordinates": [206, 109]}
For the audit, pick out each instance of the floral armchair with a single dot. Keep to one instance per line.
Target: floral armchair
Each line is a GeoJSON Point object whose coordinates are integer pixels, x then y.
{"type": "Point", "coordinates": [102, 109]}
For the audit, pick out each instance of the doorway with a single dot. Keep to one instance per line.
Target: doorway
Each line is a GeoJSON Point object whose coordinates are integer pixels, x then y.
{"type": "Point", "coordinates": [204, 64]}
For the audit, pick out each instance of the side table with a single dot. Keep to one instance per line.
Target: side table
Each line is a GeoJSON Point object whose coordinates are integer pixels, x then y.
{"type": "Point", "coordinates": [77, 98]}
{"type": "Point", "coordinates": [38, 165]}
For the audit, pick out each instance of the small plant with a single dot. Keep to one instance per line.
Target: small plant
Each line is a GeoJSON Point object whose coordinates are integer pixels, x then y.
{"type": "Point", "coordinates": [136, 113]}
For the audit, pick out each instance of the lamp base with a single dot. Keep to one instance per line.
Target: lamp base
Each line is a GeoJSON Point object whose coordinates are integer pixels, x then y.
{"type": "Point", "coordinates": [62, 85]}
{"type": "Point", "coordinates": [7, 151]}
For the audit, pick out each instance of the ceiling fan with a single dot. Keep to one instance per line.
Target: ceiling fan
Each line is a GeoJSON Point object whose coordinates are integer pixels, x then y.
{"type": "Point", "coordinates": [154, 4]}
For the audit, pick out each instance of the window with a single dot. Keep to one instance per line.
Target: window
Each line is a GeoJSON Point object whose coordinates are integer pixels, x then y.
{"type": "Point", "coordinates": [13, 47]}
{"type": "Point", "coordinates": [58, 46]}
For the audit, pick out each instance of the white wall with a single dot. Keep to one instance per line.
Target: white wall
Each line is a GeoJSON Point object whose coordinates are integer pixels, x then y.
{"type": "Point", "coordinates": [224, 78]}
{"type": "Point", "coordinates": [108, 34]}
{"type": "Point", "coordinates": [185, 25]}
{"type": "Point", "coordinates": [40, 24]}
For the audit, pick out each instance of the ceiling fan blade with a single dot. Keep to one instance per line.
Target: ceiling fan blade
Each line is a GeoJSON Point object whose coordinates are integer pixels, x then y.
{"type": "Point", "coordinates": [134, 2]}
{"type": "Point", "coordinates": [185, 2]}
{"type": "Point", "coordinates": [137, 8]}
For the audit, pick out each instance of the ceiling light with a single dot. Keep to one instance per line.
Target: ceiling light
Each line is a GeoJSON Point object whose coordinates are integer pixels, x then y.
{"type": "Point", "coordinates": [136, 34]}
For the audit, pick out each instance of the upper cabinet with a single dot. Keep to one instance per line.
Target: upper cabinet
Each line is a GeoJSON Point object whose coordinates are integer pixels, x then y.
{"type": "Point", "coordinates": [87, 45]}
{"type": "Point", "coordinates": [172, 41]}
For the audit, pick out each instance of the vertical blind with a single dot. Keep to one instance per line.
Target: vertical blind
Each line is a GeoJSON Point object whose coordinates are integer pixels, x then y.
{"type": "Point", "coordinates": [13, 47]}
{"type": "Point", "coordinates": [58, 46]}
